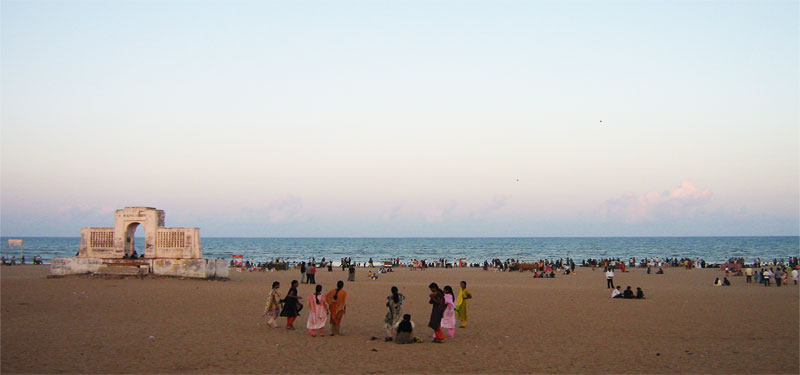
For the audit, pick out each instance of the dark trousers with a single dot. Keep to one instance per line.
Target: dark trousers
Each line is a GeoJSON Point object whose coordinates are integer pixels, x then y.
{"type": "Point", "coordinates": [610, 283]}
{"type": "Point", "coordinates": [749, 278]}
{"type": "Point", "coordinates": [778, 281]}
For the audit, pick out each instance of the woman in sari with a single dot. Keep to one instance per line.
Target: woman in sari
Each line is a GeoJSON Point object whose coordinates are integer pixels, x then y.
{"type": "Point", "coordinates": [461, 304]}
{"type": "Point", "coordinates": [337, 304]}
{"type": "Point", "coordinates": [291, 305]}
{"type": "Point", "coordinates": [395, 313]}
{"type": "Point", "coordinates": [273, 305]}
{"type": "Point", "coordinates": [318, 316]}
{"type": "Point", "coordinates": [449, 317]}
{"type": "Point", "coordinates": [437, 310]}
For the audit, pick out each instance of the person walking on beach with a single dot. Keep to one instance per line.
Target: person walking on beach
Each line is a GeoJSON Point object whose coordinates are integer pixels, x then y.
{"type": "Point", "coordinates": [273, 308]}
{"type": "Point", "coordinates": [748, 273]}
{"type": "Point", "coordinates": [609, 278]}
{"type": "Point", "coordinates": [337, 304]}
{"type": "Point", "coordinates": [766, 275]}
{"type": "Point", "coordinates": [351, 273]}
{"type": "Point", "coordinates": [462, 303]}
{"type": "Point", "coordinates": [395, 304]}
{"type": "Point", "coordinates": [291, 305]}
{"type": "Point", "coordinates": [318, 315]}
{"type": "Point", "coordinates": [437, 310]}
{"type": "Point", "coordinates": [778, 277]}
{"type": "Point", "coordinates": [303, 272]}
{"type": "Point", "coordinates": [795, 275]}
{"type": "Point", "coordinates": [449, 317]}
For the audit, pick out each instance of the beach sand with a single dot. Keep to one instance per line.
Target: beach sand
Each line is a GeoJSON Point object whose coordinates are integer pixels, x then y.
{"type": "Point", "coordinates": [517, 325]}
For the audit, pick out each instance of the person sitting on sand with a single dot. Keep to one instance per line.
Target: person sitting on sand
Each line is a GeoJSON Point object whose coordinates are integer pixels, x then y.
{"type": "Point", "coordinates": [639, 293]}
{"type": "Point", "coordinates": [725, 282]}
{"type": "Point", "coordinates": [717, 282]}
{"type": "Point", "coordinates": [628, 293]}
{"type": "Point", "coordinates": [617, 293]}
{"type": "Point", "coordinates": [660, 271]}
{"type": "Point", "coordinates": [405, 331]}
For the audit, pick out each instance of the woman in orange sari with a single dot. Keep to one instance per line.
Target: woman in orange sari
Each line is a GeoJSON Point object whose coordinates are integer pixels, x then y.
{"type": "Point", "coordinates": [337, 303]}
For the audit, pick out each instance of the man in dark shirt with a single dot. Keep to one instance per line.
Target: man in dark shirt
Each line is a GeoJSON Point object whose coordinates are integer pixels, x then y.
{"type": "Point", "coordinates": [628, 293]}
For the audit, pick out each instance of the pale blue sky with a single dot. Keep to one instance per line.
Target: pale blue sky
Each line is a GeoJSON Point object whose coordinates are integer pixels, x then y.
{"type": "Point", "coordinates": [402, 118]}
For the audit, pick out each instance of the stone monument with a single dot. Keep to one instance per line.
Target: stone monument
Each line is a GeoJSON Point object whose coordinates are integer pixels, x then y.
{"type": "Point", "coordinates": [167, 251]}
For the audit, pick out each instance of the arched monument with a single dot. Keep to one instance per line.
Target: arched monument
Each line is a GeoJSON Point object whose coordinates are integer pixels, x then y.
{"type": "Point", "coordinates": [167, 251]}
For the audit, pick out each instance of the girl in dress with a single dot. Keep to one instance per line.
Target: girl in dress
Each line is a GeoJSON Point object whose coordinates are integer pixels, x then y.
{"type": "Point", "coordinates": [449, 317]}
{"type": "Point", "coordinates": [291, 305]}
{"type": "Point", "coordinates": [319, 312]}
{"type": "Point", "coordinates": [273, 305]}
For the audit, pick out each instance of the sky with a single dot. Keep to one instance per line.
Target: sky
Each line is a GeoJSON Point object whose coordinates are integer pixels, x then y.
{"type": "Point", "coordinates": [402, 118]}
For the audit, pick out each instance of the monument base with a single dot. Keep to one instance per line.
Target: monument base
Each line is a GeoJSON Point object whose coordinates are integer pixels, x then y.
{"type": "Point", "coordinates": [194, 268]}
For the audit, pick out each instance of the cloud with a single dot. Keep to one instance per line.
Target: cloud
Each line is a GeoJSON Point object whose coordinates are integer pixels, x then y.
{"type": "Point", "coordinates": [437, 213]}
{"type": "Point", "coordinates": [284, 209]}
{"type": "Point", "coordinates": [86, 211]}
{"type": "Point", "coordinates": [498, 201]}
{"type": "Point", "coordinates": [393, 212]}
{"type": "Point", "coordinates": [681, 202]}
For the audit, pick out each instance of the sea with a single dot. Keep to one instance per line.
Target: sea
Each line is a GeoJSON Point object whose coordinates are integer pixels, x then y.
{"type": "Point", "coordinates": [711, 249]}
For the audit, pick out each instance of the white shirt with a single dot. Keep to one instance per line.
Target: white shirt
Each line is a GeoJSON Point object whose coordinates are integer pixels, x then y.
{"type": "Point", "coordinates": [794, 274]}
{"type": "Point", "coordinates": [609, 274]}
{"type": "Point", "coordinates": [615, 293]}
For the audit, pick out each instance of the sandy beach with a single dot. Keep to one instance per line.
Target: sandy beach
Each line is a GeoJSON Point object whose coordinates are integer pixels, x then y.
{"type": "Point", "coordinates": [517, 325]}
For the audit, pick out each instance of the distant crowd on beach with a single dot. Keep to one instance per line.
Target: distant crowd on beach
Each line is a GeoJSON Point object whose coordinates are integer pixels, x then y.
{"type": "Point", "coordinates": [12, 261]}
{"type": "Point", "coordinates": [541, 268]}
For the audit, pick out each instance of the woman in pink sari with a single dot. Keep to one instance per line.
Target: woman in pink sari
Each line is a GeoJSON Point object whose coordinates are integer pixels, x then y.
{"type": "Point", "coordinates": [449, 317]}
{"type": "Point", "coordinates": [319, 312]}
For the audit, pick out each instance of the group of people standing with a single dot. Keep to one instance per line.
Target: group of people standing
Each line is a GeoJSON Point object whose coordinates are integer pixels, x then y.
{"type": "Point", "coordinates": [780, 275]}
{"type": "Point", "coordinates": [322, 307]}
{"type": "Point", "coordinates": [446, 310]}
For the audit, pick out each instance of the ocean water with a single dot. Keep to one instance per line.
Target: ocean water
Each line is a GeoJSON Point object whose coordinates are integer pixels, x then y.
{"type": "Point", "coordinates": [712, 249]}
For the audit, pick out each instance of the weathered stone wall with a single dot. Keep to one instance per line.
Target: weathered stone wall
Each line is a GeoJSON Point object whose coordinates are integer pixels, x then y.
{"type": "Point", "coordinates": [75, 266]}
{"type": "Point", "coordinates": [193, 268]}
{"type": "Point", "coordinates": [178, 243]}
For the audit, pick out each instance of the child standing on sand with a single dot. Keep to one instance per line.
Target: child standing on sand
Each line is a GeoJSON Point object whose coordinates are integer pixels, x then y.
{"type": "Point", "coordinates": [449, 317]}
{"type": "Point", "coordinates": [462, 303]}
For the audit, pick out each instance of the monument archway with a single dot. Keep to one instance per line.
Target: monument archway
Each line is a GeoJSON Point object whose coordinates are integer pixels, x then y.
{"type": "Point", "coordinates": [159, 242]}
{"type": "Point", "coordinates": [130, 240]}
{"type": "Point", "coordinates": [167, 251]}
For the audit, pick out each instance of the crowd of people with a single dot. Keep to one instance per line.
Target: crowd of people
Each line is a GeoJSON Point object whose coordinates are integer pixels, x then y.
{"type": "Point", "coordinates": [12, 261]}
{"type": "Point", "coordinates": [780, 275]}
{"type": "Point", "coordinates": [447, 311]}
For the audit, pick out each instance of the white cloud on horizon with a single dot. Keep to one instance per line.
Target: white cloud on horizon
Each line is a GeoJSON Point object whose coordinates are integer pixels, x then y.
{"type": "Point", "coordinates": [683, 201]}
